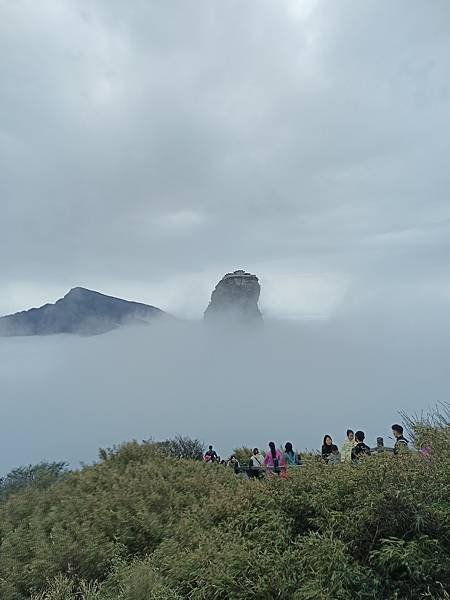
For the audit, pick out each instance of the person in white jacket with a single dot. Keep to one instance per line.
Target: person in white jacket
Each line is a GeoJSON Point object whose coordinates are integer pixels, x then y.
{"type": "Point", "coordinates": [347, 447]}
{"type": "Point", "coordinates": [256, 464]}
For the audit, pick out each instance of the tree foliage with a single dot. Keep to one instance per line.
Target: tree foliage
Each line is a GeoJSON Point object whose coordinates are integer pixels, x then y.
{"type": "Point", "coordinates": [41, 475]}
{"type": "Point", "coordinates": [183, 447]}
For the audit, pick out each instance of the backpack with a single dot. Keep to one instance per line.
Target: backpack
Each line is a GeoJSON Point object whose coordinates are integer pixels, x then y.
{"type": "Point", "coordinates": [258, 462]}
{"type": "Point", "coordinates": [276, 465]}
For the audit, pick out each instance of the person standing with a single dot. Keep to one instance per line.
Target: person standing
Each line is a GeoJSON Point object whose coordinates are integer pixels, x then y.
{"type": "Point", "coordinates": [256, 464]}
{"type": "Point", "coordinates": [273, 460]}
{"type": "Point", "coordinates": [211, 455]}
{"type": "Point", "coordinates": [360, 448]}
{"type": "Point", "coordinates": [347, 447]}
{"type": "Point", "coordinates": [290, 457]}
{"type": "Point", "coordinates": [401, 443]}
{"type": "Point", "coordinates": [328, 449]}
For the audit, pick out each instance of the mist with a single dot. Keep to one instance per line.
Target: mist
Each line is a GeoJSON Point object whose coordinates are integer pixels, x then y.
{"type": "Point", "coordinates": [64, 397]}
{"type": "Point", "coordinates": [148, 148]}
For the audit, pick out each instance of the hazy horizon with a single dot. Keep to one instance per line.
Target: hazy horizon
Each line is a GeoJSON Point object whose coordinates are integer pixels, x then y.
{"type": "Point", "coordinates": [66, 396]}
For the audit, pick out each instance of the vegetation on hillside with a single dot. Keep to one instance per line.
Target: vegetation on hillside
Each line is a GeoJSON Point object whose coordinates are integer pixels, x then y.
{"type": "Point", "coordinates": [144, 525]}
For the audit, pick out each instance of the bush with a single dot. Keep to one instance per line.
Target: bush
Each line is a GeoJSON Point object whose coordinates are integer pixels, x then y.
{"type": "Point", "coordinates": [183, 447]}
{"type": "Point", "coordinates": [243, 454]}
{"type": "Point", "coordinates": [65, 588]}
{"type": "Point", "coordinates": [41, 475]}
{"type": "Point", "coordinates": [141, 524]}
{"type": "Point", "coordinates": [430, 431]}
{"type": "Point", "coordinates": [136, 581]}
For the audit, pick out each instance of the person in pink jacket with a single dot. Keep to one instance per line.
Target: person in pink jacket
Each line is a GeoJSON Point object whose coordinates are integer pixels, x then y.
{"type": "Point", "coordinates": [274, 461]}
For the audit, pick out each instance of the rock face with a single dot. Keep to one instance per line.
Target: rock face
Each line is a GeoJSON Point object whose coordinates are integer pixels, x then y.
{"type": "Point", "coordinates": [81, 311]}
{"type": "Point", "coordinates": [235, 298]}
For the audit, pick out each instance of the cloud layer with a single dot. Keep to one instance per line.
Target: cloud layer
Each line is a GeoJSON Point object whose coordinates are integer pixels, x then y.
{"type": "Point", "coordinates": [63, 397]}
{"type": "Point", "coordinates": [148, 149]}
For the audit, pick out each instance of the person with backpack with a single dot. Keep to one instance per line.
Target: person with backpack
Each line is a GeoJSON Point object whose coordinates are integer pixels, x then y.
{"type": "Point", "coordinates": [211, 455]}
{"type": "Point", "coordinates": [360, 448]}
{"type": "Point", "coordinates": [328, 448]}
{"type": "Point", "coordinates": [347, 447]}
{"type": "Point", "coordinates": [273, 461]}
{"type": "Point", "coordinates": [401, 443]}
{"type": "Point", "coordinates": [256, 464]}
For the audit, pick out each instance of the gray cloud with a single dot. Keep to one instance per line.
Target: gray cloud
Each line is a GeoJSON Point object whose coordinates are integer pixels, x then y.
{"type": "Point", "coordinates": [147, 144]}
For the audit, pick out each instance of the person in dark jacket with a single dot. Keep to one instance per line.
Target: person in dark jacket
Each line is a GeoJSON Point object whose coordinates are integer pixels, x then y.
{"type": "Point", "coordinates": [211, 455]}
{"type": "Point", "coordinates": [360, 448]}
{"type": "Point", "coordinates": [401, 443]}
{"type": "Point", "coordinates": [328, 448]}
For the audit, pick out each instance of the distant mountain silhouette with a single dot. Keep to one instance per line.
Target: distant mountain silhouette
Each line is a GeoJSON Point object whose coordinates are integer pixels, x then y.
{"type": "Point", "coordinates": [81, 311]}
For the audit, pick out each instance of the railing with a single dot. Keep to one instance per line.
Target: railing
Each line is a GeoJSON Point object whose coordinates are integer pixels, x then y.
{"type": "Point", "coordinates": [262, 469]}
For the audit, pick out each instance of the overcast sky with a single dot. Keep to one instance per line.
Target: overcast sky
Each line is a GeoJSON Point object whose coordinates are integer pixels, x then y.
{"type": "Point", "coordinates": [146, 148]}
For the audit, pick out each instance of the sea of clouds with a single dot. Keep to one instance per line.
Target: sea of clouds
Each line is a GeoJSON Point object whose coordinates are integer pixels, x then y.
{"type": "Point", "coordinates": [63, 397]}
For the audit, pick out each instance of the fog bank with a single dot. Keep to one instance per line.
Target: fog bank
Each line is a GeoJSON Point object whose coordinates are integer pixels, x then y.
{"type": "Point", "coordinates": [64, 397]}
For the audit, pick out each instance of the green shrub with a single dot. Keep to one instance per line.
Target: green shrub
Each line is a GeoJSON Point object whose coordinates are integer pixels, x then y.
{"type": "Point", "coordinates": [183, 447]}
{"type": "Point", "coordinates": [138, 580]}
{"type": "Point", "coordinates": [63, 587]}
{"type": "Point", "coordinates": [243, 454]}
{"type": "Point", "coordinates": [143, 525]}
{"type": "Point", "coordinates": [41, 475]}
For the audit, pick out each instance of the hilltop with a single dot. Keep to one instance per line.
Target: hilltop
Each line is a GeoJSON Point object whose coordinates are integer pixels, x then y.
{"type": "Point", "coordinates": [143, 524]}
{"type": "Point", "coordinates": [80, 311]}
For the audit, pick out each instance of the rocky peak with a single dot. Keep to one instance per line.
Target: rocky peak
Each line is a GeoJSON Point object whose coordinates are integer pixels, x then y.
{"type": "Point", "coordinates": [235, 297]}
{"type": "Point", "coordinates": [79, 292]}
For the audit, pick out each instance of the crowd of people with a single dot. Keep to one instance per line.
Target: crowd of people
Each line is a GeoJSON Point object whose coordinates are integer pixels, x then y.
{"type": "Point", "coordinates": [277, 461]}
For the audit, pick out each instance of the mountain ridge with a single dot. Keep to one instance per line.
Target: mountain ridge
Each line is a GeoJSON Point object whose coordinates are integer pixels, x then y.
{"type": "Point", "coordinates": [81, 311]}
